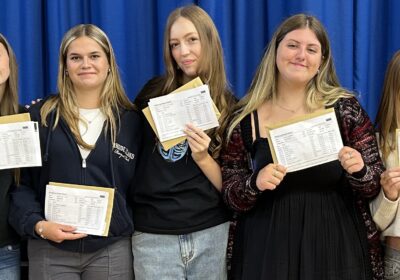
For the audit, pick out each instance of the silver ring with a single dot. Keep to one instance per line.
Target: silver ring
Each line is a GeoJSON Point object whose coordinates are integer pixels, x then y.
{"type": "Point", "coordinates": [350, 155]}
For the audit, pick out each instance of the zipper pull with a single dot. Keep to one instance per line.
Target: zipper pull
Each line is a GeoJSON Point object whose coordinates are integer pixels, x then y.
{"type": "Point", "coordinates": [84, 163]}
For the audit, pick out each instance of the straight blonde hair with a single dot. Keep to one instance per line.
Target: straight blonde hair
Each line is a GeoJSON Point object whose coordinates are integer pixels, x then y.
{"type": "Point", "coordinates": [388, 116]}
{"type": "Point", "coordinates": [9, 98]}
{"type": "Point", "coordinates": [323, 90]}
{"type": "Point", "coordinates": [112, 96]}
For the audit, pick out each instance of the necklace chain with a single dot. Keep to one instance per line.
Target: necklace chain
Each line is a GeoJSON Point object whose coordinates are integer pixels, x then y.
{"type": "Point", "coordinates": [287, 109]}
{"type": "Point", "coordinates": [89, 121]}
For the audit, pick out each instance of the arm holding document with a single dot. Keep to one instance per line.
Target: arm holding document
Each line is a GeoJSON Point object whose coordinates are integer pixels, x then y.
{"type": "Point", "coordinates": [239, 188]}
{"type": "Point", "coordinates": [57, 232]}
{"type": "Point", "coordinates": [390, 181]}
{"type": "Point", "coordinates": [270, 176]}
{"type": "Point", "coordinates": [28, 219]}
{"type": "Point", "coordinates": [242, 184]}
{"type": "Point", "coordinates": [199, 143]}
{"type": "Point", "coordinates": [27, 215]}
{"type": "Point", "coordinates": [351, 160]}
{"type": "Point", "coordinates": [360, 156]}
{"type": "Point", "coordinates": [385, 207]}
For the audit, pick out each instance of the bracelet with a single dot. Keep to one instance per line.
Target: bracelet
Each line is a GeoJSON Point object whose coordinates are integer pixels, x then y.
{"type": "Point", "coordinates": [40, 229]}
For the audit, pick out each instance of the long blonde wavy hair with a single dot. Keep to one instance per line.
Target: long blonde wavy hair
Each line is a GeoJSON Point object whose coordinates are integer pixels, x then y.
{"type": "Point", "coordinates": [9, 98]}
{"type": "Point", "coordinates": [322, 90]}
{"type": "Point", "coordinates": [211, 67]}
{"type": "Point", "coordinates": [388, 116]}
{"type": "Point", "coordinates": [112, 96]}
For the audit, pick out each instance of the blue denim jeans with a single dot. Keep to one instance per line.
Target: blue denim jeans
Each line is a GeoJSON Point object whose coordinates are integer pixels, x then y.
{"type": "Point", "coordinates": [195, 256]}
{"type": "Point", "coordinates": [10, 262]}
{"type": "Point", "coordinates": [392, 264]}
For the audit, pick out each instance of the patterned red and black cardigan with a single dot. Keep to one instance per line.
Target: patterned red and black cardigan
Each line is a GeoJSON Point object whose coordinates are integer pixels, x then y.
{"type": "Point", "coordinates": [239, 188]}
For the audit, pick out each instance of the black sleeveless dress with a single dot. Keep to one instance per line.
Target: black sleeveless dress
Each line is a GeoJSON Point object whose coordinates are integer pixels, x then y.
{"type": "Point", "coordinates": [303, 230]}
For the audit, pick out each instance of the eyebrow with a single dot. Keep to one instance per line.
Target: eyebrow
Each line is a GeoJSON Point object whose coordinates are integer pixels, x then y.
{"type": "Point", "coordinates": [312, 44]}
{"type": "Point", "coordinates": [95, 52]}
{"type": "Point", "coordinates": [186, 35]}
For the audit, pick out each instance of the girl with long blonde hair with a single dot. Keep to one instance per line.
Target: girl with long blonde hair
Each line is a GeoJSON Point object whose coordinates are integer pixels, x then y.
{"type": "Point", "coordinates": [90, 135]}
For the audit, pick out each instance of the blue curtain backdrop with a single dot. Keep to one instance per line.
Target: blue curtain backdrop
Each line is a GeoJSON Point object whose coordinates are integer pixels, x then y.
{"type": "Point", "coordinates": [364, 35]}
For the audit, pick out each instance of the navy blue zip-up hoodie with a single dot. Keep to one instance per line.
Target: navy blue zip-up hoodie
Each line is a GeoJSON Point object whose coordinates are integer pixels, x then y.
{"type": "Point", "coordinates": [106, 166]}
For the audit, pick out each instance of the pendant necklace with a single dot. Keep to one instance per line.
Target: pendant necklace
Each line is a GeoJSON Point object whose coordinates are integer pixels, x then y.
{"type": "Point", "coordinates": [89, 121]}
{"type": "Point", "coordinates": [85, 122]}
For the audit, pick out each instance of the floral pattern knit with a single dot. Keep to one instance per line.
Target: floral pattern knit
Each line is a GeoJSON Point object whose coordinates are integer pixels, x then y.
{"type": "Point", "coordinates": [239, 181]}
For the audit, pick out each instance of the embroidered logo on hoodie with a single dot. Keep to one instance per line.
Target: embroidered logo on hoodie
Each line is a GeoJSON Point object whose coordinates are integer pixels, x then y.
{"type": "Point", "coordinates": [123, 152]}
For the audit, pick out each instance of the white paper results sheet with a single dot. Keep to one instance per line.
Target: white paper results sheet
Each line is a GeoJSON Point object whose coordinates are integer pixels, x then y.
{"type": "Point", "coordinates": [84, 209]}
{"type": "Point", "coordinates": [307, 143]}
{"type": "Point", "coordinates": [173, 111]}
{"type": "Point", "coordinates": [19, 145]}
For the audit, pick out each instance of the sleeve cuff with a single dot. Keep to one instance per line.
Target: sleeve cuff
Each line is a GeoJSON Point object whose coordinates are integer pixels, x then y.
{"type": "Point", "coordinates": [253, 185]}
{"type": "Point", "coordinates": [361, 173]}
{"type": "Point", "coordinates": [388, 201]}
{"type": "Point", "coordinates": [30, 225]}
{"type": "Point", "coordinates": [383, 210]}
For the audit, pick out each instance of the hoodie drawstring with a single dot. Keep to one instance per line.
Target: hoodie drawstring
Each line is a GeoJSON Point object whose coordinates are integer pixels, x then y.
{"type": "Point", "coordinates": [49, 132]}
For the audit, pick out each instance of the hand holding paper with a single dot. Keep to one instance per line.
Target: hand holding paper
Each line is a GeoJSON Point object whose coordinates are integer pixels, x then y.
{"type": "Point", "coordinates": [199, 142]}
{"type": "Point", "coordinates": [390, 182]}
{"type": "Point", "coordinates": [57, 232]}
{"type": "Point", "coordinates": [351, 160]}
{"type": "Point", "coordinates": [270, 176]}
